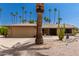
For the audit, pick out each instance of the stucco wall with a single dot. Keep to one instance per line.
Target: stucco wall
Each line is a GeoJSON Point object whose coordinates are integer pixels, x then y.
{"type": "Point", "coordinates": [21, 31]}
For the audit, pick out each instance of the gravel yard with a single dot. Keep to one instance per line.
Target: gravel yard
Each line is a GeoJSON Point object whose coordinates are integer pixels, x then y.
{"type": "Point", "coordinates": [51, 47]}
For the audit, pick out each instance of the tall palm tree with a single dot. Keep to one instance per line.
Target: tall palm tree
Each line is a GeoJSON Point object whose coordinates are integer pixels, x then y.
{"type": "Point", "coordinates": [23, 12]}
{"type": "Point", "coordinates": [30, 14]}
{"type": "Point", "coordinates": [12, 21]}
{"type": "Point", "coordinates": [55, 10]}
{"type": "Point", "coordinates": [39, 10]}
{"type": "Point", "coordinates": [50, 10]}
{"type": "Point", "coordinates": [12, 14]}
{"type": "Point", "coordinates": [0, 11]}
{"type": "Point", "coordinates": [46, 19]}
{"type": "Point", "coordinates": [25, 18]}
{"type": "Point", "coordinates": [16, 13]}
{"type": "Point", "coordinates": [24, 21]}
{"type": "Point", "coordinates": [20, 18]}
{"type": "Point", "coordinates": [59, 18]}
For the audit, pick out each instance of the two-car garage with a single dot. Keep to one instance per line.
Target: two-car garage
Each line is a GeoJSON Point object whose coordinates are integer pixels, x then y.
{"type": "Point", "coordinates": [21, 31]}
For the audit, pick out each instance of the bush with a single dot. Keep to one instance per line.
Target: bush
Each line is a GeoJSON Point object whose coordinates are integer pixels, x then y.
{"type": "Point", "coordinates": [31, 21]}
{"type": "Point", "coordinates": [3, 31]}
{"type": "Point", "coordinates": [74, 31]}
{"type": "Point", "coordinates": [61, 31]}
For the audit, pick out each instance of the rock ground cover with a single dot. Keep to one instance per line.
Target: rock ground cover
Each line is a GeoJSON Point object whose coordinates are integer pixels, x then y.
{"type": "Point", "coordinates": [51, 47]}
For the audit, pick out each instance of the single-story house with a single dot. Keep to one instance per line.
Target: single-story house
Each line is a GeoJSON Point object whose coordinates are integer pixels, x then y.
{"type": "Point", "coordinates": [29, 30]}
{"type": "Point", "coordinates": [51, 29]}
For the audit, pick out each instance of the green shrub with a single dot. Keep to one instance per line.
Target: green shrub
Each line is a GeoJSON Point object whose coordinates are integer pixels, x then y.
{"type": "Point", "coordinates": [74, 31]}
{"type": "Point", "coordinates": [61, 31]}
{"type": "Point", "coordinates": [31, 21]}
{"type": "Point", "coordinates": [3, 31]}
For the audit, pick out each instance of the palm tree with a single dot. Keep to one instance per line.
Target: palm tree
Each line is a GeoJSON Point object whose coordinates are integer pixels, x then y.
{"type": "Point", "coordinates": [46, 19]}
{"type": "Point", "coordinates": [49, 14]}
{"type": "Point", "coordinates": [30, 15]}
{"type": "Point", "coordinates": [59, 18]}
{"type": "Point", "coordinates": [55, 10]}
{"type": "Point", "coordinates": [20, 18]}
{"type": "Point", "coordinates": [0, 11]}
{"type": "Point", "coordinates": [13, 15]}
{"type": "Point", "coordinates": [24, 21]}
{"type": "Point", "coordinates": [39, 10]}
{"type": "Point", "coordinates": [16, 13]}
{"type": "Point", "coordinates": [23, 12]}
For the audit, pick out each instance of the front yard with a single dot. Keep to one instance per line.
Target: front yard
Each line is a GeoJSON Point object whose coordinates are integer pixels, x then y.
{"type": "Point", "coordinates": [51, 47]}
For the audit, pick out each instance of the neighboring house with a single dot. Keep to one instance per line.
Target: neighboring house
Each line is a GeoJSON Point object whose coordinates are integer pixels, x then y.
{"type": "Point", "coordinates": [29, 30]}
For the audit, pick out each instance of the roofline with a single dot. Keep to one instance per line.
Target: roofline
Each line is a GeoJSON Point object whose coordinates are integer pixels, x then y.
{"type": "Point", "coordinates": [34, 25]}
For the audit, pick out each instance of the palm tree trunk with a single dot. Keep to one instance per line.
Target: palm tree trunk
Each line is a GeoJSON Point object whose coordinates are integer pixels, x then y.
{"type": "Point", "coordinates": [49, 17]}
{"type": "Point", "coordinates": [54, 17]}
{"type": "Point", "coordinates": [59, 17]}
{"type": "Point", "coordinates": [22, 15]}
{"type": "Point", "coordinates": [30, 16]}
{"type": "Point", "coordinates": [0, 14]}
{"type": "Point", "coordinates": [20, 20]}
{"type": "Point", "coordinates": [14, 19]}
{"type": "Point", "coordinates": [39, 38]}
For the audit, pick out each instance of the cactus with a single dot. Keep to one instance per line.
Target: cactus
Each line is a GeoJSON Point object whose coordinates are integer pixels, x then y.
{"type": "Point", "coordinates": [74, 31]}
{"type": "Point", "coordinates": [61, 31]}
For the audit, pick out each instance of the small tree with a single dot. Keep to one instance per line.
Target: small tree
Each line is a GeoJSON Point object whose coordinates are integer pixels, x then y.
{"type": "Point", "coordinates": [4, 31]}
{"type": "Point", "coordinates": [61, 31]}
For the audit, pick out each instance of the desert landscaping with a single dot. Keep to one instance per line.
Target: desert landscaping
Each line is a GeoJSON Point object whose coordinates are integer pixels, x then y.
{"type": "Point", "coordinates": [42, 31]}
{"type": "Point", "coordinates": [51, 47]}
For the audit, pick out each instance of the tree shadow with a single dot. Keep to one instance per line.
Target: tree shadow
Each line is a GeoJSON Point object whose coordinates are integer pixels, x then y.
{"type": "Point", "coordinates": [24, 47]}
{"type": "Point", "coordinates": [40, 54]}
{"type": "Point", "coordinates": [56, 40]}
